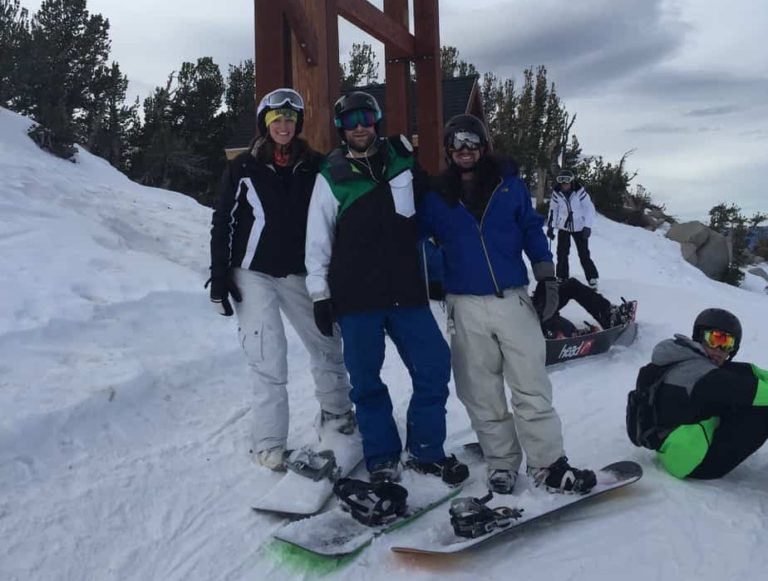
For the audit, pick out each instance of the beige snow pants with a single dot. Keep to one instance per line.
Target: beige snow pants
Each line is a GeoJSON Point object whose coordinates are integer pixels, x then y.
{"type": "Point", "coordinates": [496, 339]}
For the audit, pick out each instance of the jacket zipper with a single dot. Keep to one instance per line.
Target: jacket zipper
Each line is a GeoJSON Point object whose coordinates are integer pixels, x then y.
{"type": "Point", "coordinates": [479, 225]}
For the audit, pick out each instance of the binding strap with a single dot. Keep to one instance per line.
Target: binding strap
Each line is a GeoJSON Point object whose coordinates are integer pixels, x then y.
{"type": "Point", "coordinates": [471, 517]}
{"type": "Point", "coordinates": [371, 504]}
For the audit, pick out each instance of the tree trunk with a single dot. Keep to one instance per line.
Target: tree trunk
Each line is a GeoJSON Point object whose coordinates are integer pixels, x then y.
{"type": "Point", "coordinates": [541, 184]}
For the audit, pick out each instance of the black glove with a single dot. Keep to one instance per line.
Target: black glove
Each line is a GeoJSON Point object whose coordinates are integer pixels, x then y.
{"type": "Point", "coordinates": [221, 288]}
{"type": "Point", "coordinates": [550, 233]}
{"type": "Point", "coordinates": [586, 232]}
{"type": "Point", "coordinates": [546, 298]}
{"type": "Point", "coordinates": [324, 317]}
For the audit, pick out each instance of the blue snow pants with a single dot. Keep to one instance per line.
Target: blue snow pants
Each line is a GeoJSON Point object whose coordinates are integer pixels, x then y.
{"type": "Point", "coordinates": [425, 353]}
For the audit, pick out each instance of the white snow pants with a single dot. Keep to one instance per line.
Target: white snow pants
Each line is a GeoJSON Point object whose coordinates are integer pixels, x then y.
{"type": "Point", "coordinates": [493, 339]}
{"type": "Point", "coordinates": [262, 337]}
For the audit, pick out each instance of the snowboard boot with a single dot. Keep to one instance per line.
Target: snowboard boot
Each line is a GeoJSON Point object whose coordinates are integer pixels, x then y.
{"type": "Point", "coordinates": [388, 471]}
{"type": "Point", "coordinates": [272, 458]}
{"type": "Point", "coordinates": [343, 423]}
{"type": "Point", "coordinates": [563, 478]}
{"type": "Point", "coordinates": [501, 481]}
{"type": "Point", "coordinates": [620, 314]}
{"type": "Point", "coordinates": [449, 469]}
{"type": "Point", "coordinates": [593, 284]}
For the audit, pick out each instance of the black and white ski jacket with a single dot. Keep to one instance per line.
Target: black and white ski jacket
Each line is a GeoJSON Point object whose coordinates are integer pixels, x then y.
{"type": "Point", "coordinates": [362, 236]}
{"type": "Point", "coordinates": [571, 212]}
{"type": "Point", "coordinates": [260, 221]}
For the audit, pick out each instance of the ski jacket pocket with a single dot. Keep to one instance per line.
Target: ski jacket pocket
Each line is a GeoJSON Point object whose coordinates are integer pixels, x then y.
{"type": "Point", "coordinates": [402, 194]}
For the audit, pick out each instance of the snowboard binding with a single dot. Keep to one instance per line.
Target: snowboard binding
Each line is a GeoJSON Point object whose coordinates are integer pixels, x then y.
{"type": "Point", "coordinates": [471, 518]}
{"type": "Point", "coordinates": [313, 465]}
{"type": "Point", "coordinates": [371, 504]}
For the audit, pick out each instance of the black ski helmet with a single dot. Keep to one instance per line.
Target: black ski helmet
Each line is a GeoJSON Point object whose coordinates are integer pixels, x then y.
{"type": "Point", "coordinates": [565, 173]}
{"type": "Point", "coordinates": [463, 122]}
{"type": "Point", "coordinates": [718, 319]}
{"type": "Point", "coordinates": [353, 101]}
{"type": "Point", "coordinates": [280, 99]}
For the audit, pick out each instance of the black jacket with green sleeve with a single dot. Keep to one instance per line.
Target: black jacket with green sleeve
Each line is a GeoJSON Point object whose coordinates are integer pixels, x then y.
{"type": "Point", "coordinates": [362, 236]}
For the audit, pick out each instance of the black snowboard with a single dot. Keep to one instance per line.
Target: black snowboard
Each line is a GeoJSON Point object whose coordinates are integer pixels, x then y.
{"type": "Point", "coordinates": [560, 350]}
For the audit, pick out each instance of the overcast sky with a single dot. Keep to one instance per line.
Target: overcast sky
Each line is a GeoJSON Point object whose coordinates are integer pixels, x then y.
{"type": "Point", "coordinates": [683, 82]}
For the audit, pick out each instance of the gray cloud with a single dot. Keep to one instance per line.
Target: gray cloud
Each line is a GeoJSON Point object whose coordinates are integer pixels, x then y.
{"type": "Point", "coordinates": [713, 111]}
{"type": "Point", "coordinates": [661, 127]}
{"type": "Point", "coordinates": [586, 45]}
{"type": "Point", "coordinates": [674, 84]}
{"type": "Point", "coordinates": [658, 128]}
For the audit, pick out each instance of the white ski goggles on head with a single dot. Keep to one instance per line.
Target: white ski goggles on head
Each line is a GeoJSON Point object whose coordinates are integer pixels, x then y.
{"type": "Point", "coordinates": [564, 179]}
{"type": "Point", "coordinates": [280, 98]}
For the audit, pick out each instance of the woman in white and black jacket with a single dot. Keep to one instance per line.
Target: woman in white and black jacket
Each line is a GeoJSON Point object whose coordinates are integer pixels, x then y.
{"type": "Point", "coordinates": [572, 214]}
{"type": "Point", "coordinates": [257, 258]}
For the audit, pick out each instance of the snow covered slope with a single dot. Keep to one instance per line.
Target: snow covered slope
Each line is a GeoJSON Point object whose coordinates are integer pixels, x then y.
{"type": "Point", "coordinates": [124, 409]}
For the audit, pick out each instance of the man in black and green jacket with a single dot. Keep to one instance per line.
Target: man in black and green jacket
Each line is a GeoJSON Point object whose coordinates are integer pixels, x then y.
{"type": "Point", "coordinates": [364, 271]}
{"type": "Point", "coordinates": [712, 412]}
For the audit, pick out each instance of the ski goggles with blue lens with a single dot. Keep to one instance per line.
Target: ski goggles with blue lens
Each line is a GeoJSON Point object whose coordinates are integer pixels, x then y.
{"type": "Point", "coordinates": [351, 119]}
{"type": "Point", "coordinates": [465, 140]}
{"type": "Point", "coordinates": [564, 179]}
{"type": "Point", "coordinates": [283, 98]}
{"type": "Point", "coordinates": [719, 340]}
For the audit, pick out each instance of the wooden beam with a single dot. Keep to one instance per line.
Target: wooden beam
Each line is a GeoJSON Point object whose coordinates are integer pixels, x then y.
{"type": "Point", "coordinates": [270, 47]}
{"type": "Point", "coordinates": [397, 74]}
{"type": "Point", "coordinates": [429, 90]}
{"type": "Point", "coordinates": [306, 37]}
{"type": "Point", "coordinates": [370, 19]}
{"type": "Point", "coordinates": [318, 82]}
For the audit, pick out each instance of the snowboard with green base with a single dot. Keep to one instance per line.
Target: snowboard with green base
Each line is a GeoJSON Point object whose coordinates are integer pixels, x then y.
{"type": "Point", "coordinates": [336, 534]}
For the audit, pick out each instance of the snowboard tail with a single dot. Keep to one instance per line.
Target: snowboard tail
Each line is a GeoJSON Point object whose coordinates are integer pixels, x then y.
{"type": "Point", "coordinates": [300, 495]}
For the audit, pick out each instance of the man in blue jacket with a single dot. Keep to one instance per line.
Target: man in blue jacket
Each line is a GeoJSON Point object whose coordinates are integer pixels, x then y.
{"type": "Point", "coordinates": [481, 213]}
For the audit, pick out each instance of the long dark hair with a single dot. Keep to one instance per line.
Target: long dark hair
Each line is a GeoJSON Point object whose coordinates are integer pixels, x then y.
{"type": "Point", "coordinates": [488, 170]}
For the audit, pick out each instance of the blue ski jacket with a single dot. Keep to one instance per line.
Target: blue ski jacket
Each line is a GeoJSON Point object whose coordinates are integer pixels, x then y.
{"type": "Point", "coordinates": [484, 256]}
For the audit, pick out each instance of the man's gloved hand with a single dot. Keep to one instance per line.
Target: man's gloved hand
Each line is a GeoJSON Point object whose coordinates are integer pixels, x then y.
{"type": "Point", "coordinates": [547, 298]}
{"type": "Point", "coordinates": [324, 316]}
{"type": "Point", "coordinates": [587, 232]}
{"type": "Point", "coordinates": [221, 288]}
{"type": "Point", "coordinates": [550, 233]}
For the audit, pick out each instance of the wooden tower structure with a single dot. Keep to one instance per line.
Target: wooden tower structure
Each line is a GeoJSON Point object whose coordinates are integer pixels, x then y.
{"type": "Point", "coordinates": [297, 45]}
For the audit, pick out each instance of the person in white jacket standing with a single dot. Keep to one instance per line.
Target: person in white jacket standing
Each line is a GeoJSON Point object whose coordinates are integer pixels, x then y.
{"type": "Point", "coordinates": [572, 214]}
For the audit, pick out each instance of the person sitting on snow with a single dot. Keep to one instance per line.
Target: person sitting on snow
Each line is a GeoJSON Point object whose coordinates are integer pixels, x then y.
{"type": "Point", "coordinates": [606, 314]}
{"type": "Point", "coordinates": [712, 412]}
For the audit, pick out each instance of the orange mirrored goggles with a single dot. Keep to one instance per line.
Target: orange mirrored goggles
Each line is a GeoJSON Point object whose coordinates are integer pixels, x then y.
{"type": "Point", "coordinates": [720, 340]}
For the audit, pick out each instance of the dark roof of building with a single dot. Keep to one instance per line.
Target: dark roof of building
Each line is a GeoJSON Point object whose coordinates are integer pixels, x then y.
{"type": "Point", "coordinates": [456, 94]}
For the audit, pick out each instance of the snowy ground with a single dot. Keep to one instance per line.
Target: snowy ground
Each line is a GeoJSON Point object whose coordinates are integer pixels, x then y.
{"type": "Point", "coordinates": [125, 415]}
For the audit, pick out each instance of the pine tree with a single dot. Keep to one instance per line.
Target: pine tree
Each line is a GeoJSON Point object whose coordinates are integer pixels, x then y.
{"type": "Point", "coordinates": [363, 67]}
{"type": "Point", "coordinates": [159, 156]}
{"type": "Point", "coordinates": [14, 40]}
{"type": "Point", "coordinates": [110, 120]}
{"type": "Point", "coordinates": [240, 93]}
{"type": "Point", "coordinates": [453, 66]}
{"type": "Point", "coordinates": [68, 52]}
{"type": "Point", "coordinates": [729, 221]}
{"type": "Point", "coordinates": [196, 108]}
